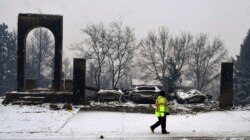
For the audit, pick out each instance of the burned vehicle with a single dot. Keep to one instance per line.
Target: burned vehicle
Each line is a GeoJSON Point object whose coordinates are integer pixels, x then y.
{"type": "Point", "coordinates": [109, 95]}
{"type": "Point", "coordinates": [144, 94]}
{"type": "Point", "coordinates": [192, 96]}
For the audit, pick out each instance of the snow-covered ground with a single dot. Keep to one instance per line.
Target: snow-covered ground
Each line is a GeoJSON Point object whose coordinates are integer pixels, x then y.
{"type": "Point", "coordinates": [33, 122]}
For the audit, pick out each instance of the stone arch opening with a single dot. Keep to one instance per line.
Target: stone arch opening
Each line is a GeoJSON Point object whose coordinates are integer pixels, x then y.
{"type": "Point", "coordinates": [40, 52]}
{"type": "Point", "coordinates": [26, 23]}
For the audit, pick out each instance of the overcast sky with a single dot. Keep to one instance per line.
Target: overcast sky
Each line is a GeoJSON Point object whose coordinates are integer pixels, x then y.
{"type": "Point", "coordinates": [227, 19]}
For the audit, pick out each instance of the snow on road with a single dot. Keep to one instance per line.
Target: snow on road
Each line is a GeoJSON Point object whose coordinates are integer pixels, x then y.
{"type": "Point", "coordinates": [219, 123]}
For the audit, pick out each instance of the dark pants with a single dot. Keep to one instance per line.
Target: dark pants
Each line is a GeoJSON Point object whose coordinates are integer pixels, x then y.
{"type": "Point", "coordinates": [161, 121]}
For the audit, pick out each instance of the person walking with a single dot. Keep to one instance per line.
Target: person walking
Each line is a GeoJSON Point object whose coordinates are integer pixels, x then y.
{"type": "Point", "coordinates": [161, 112]}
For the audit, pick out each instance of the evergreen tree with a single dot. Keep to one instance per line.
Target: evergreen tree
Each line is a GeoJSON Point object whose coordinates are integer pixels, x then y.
{"type": "Point", "coordinates": [242, 73]}
{"type": "Point", "coordinates": [8, 46]}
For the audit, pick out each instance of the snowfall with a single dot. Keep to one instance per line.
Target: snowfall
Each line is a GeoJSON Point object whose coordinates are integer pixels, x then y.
{"type": "Point", "coordinates": [39, 122]}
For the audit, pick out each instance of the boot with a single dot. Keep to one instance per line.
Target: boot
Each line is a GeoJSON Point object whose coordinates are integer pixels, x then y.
{"type": "Point", "coordinates": [152, 129]}
{"type": "Point", "coordinates": [165, 132]}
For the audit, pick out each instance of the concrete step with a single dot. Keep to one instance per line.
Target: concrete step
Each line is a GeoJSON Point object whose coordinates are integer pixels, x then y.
{"type": "Point", "coordinates": [44, 97]}
{"type": "Point", "coordinates": [22, 102]}
{"type": "Point", "coordinates": [30, 98]}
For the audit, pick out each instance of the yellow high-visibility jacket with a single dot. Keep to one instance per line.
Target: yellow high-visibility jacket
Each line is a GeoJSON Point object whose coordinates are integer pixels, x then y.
{"type": "Point", "coordinates": [161, 106]}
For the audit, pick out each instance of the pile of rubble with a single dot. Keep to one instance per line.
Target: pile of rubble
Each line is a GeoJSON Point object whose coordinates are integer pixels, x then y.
{"type": "Point", "coordinates": [174, 106]}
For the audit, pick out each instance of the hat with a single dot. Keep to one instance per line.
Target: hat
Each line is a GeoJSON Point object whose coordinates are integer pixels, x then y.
{"type": "Point", "coordinates": [162, 93]}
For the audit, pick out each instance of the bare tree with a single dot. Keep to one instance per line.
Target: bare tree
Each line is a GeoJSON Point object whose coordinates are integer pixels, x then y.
{"type": "Point", "coordinates": [109, 51]}
{"type": "Point", "coordinates": [204, 60]}
{"type": "Point", "coordinates": [91, 69]}
{"type": "Point", "coordinates": [164, 56]}
{"type": "Point", "coordinates": [177, 58]}
{"type": "Point", "coordinates": [154, 55]}
{"type": "Point", "coordinates": [95, 49]}
{"type": "Point", "coordinates": [121, 53]}
{"type": "Point", "coordinates": [67, 69]}
{"type": "Point", "coordinates": [40, 54]}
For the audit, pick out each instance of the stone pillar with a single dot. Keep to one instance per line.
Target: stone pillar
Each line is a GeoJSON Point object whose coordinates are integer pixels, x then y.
{"type": "Point", "coordinates": [58, 34]}
{"type": "Point", "coordinates": [27, 22]}
{"type": "Point", "coordinates": [21, 56]}
{"type": "Point", "coordinates": [79, 70]}
{"type": "Point", "coordinates": [226, 87]}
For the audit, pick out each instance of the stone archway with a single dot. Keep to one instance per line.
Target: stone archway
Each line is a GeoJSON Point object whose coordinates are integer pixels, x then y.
{"type": "Point", "coordinates": [27, 22]}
